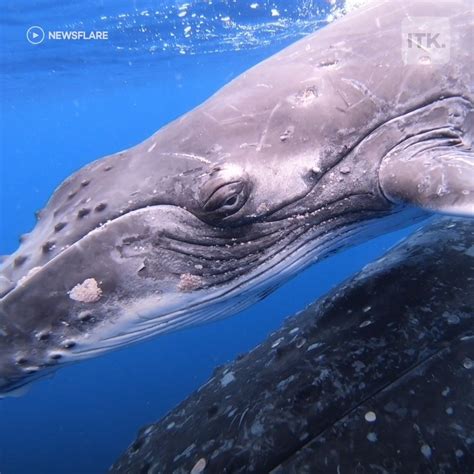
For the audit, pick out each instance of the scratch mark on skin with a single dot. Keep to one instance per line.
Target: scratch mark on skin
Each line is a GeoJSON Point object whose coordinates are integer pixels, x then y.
{"type": "Point", "coordinates": [263, 137]}
{"type": "Point", "coordinates": [362, 88]}
{"type": "Point", "coordinates": [339, 93]}
{"type": "Point", "coordinates": [234, 108]}
{"type": "Point", "coordinates": [243, 416]}
{"type": "Point", "coordinates": [313, 79]}
{"type": "Point", "coordinates": [151, 148]}
{"type": "Point", "coordinates": [244, 146]}
{"type": "Point", "coordinates": [402, 89]}
{"type": "Point", "coordinates": [209, 116]}
{"type": "Point", "coordinates": [188, 155]}
{"type": "Point", "coordinates": [238, 119]}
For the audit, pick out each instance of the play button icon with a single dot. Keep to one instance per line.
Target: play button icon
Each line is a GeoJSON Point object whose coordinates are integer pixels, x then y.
{"type": "Point", "coordinates": [35, 35]}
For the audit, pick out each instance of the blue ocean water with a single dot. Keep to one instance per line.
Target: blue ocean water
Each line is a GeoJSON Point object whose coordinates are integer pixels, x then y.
{"type": "Point", "coordinates": [66, 103]}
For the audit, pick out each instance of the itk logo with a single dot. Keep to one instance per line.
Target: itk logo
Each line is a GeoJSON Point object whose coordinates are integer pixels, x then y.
{"type": "Point", "coordinates": [426, 40]}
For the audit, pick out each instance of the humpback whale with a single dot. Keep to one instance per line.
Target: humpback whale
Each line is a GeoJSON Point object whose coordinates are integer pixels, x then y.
{"type": "Point", "coordinates": [333, 390]}
{"type": "Point", "coordinates": [336, 139]}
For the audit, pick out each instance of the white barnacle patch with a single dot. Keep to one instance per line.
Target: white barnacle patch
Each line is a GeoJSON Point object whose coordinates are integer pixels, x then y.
{"type": "Point", "coordinates": [88, 291]}
{"type": "Point", "coordinates": [189, 282]}
{"type": "Point", "coordinates": [305, 97]}
{"type": "Point", "coordinates": [227, 379]}
{"type": "Point", "coordinates": [262, 208]}
{"type": "Point", "coordinates": [288, 133]}
{"type": "Point", "coordinates": [32, 272]}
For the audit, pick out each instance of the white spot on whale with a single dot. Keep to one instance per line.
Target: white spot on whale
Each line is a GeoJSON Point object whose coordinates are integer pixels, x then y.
{"type": "Point", "coordinates": [300, 343]}
{"type": "Point", "coordinates": [283, 384]}
{"type": "Point", "coordinates": [313, 346]}
{"type": "Point", "coordinates": [426, 451]}
{"type": "Point", "coordinates": [277, 342]}
{"type": "Point", "coordinates": [470, 251]}
{"type": "Point", "coordinates": [257, 428]}
{"type": "Point", "coordinates": [445, 392]}
{"type": "Point", "coordinates": [185, 453]}
{"type": "Point", "coordinates": [370, 417]}
{"type": "Point", "coordinates": [199, 466]}
{"type": "Point", "coordinates": [86, 292]}
{"type": "Point", "coordinates": [227, 379]}
{"type": "Point", "coordinates": [372, 437]}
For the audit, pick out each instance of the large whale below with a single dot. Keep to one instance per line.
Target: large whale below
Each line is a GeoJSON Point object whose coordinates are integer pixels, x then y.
{"type": "Point", "coordinates": [342, 136]}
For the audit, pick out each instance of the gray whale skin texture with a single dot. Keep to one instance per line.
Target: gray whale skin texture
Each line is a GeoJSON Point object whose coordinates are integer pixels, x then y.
{"type": "Point", "coordinates": [378, 376]}
{"type": "Point", "coordinates": [334, 140]}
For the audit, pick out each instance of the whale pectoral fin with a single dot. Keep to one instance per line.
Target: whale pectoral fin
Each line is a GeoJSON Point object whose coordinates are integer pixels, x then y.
{"type": "Point", "coordinates": [16, 393]}
{"type": "Point", "coordinates": [439, 181]}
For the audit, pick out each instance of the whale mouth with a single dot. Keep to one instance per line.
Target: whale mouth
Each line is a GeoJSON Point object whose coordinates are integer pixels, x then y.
{"type": "Point", "coordinates": [220, 302]}
{"type": "Point", "coordinates": [185, 245]}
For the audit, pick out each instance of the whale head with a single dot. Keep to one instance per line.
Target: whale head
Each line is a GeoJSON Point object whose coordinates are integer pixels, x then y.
{"type": "Point", "coordinates": [330, 142]}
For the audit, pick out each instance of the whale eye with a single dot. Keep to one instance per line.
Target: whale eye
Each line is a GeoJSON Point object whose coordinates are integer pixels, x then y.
{"type": "Point", "coordinates": [226, 199]}
{"type": "Point", "coordinates": [222, 194]}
